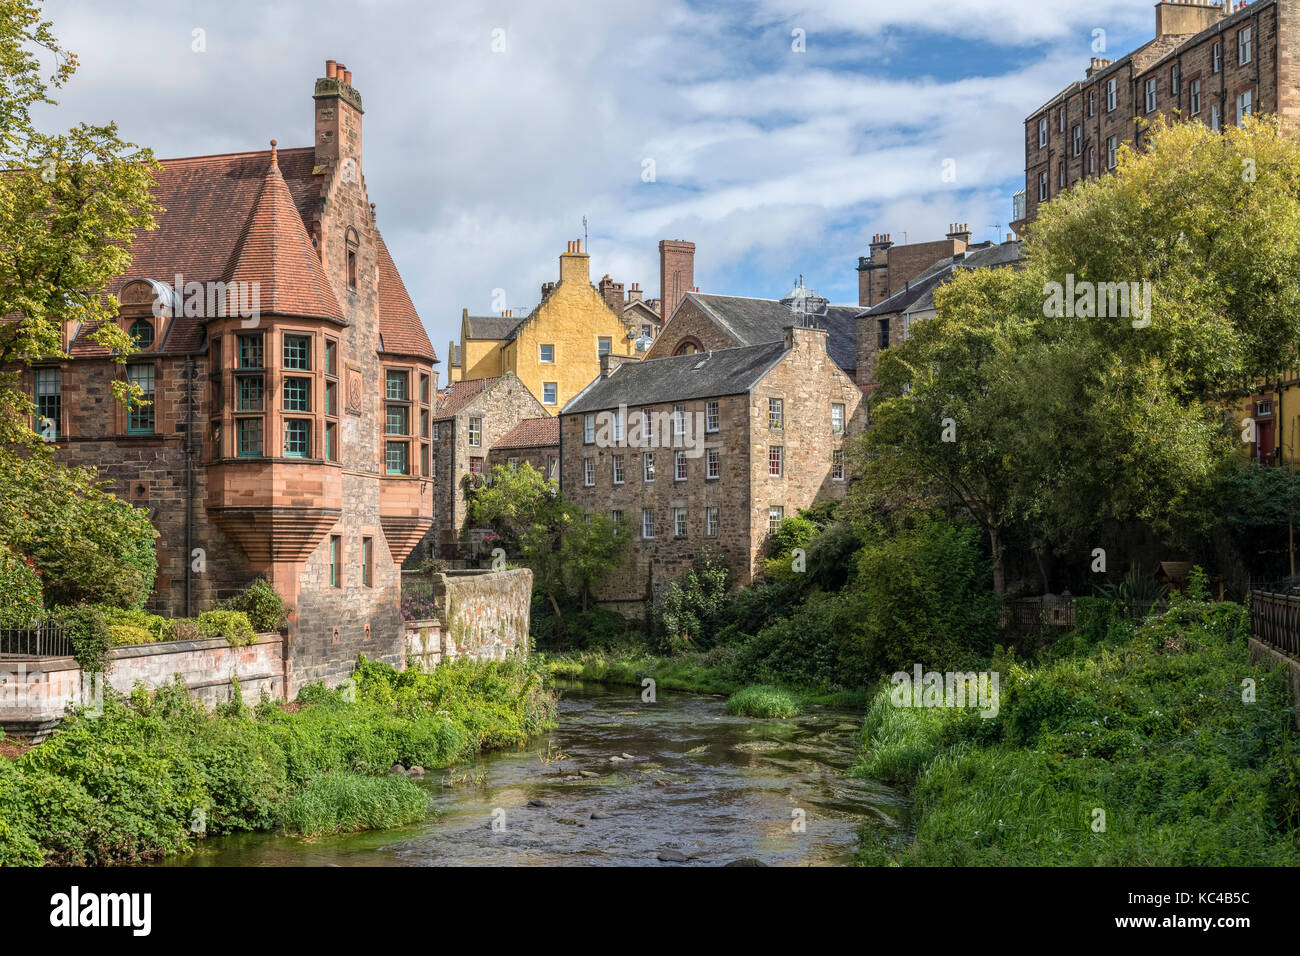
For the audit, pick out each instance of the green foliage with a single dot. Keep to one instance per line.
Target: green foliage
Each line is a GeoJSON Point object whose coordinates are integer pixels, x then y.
{"type": "Point", "coordinates": [232, 625]}
{"type": "Point", "coordinates": [134, 783]}
{"type": "Point", "coordinates": [89, 546]}
{"type": "Point", "coordinates": [261, 604]}
{"type": "Point", "coordinates": [88, 632]}
{"type": "Point", "coordinates": [764, 701]}
{"type": "Point", "coordinates": [347, 802]}
{"type": "Point", "coordinates": [596, 629]}
{"type": "Point", "coordinates": [1154, 730]}
{"type": "Point", "coordinates": [692, 609]}
{"type": "Point", "coordinates": [20, 589]}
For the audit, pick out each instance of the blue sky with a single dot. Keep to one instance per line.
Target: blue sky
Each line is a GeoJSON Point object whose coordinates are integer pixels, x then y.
{"type": "Point", "coordinates": [482, 163]}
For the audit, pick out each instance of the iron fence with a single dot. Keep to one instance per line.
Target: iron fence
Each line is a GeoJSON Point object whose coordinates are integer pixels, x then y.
{"type": "Point", "coordinates": [43, 640]}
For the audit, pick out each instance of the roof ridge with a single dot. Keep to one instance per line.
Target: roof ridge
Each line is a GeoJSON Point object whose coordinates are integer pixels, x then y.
{"type": "Point", "coordinates": [245, 154]}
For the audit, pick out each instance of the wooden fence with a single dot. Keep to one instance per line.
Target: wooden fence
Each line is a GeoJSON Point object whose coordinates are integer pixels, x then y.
{"type": "Point", "coordinates": [1275, 620]}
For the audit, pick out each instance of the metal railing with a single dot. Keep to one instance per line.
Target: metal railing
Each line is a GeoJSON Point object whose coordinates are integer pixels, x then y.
{"type": "Point", "coordinates": [1275, 619]}
{"type": "Point", "coordinates": [44, 640]}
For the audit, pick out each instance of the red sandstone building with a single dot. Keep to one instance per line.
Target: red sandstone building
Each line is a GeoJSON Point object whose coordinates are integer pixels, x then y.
{"type": "Point", "coordinates": [288, 435]}
{"type": "Point", "coordinates": [1209, 61]}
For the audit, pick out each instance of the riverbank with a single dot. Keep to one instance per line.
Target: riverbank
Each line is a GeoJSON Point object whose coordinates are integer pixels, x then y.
{"type": "Point", "coordinates": [153, 773]}
{"type": "Point", "coordinates": [1157, 744]}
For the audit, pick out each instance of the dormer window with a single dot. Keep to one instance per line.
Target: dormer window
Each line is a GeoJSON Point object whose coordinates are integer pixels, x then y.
{"type": "Point", "coordinates": [141, 333]}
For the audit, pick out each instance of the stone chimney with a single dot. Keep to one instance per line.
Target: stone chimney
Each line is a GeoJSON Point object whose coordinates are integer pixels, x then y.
{"type": "Point", "coordinates": [676, 274]}
{"type": "Point", "coordinates": [634, 293]}
{"type": "Point", "coordinates": [612, 293]}
{"type": "Point", "coordinates": [575, 265]}
{"type": "Point", "coordinates": [338, 118]}
{"type": "Point", "coordinates": [1183, 17]}
{"type": "Point", "coordinates": [1097, 65]}
{"type": "Point", "coordinates": [803, 337]}
{"type": "Point", "coordinates": [609, 363]}
{"type": "Point", "coordinates": [547, 289]}
{"type": "Point", "coordinates": [960, 232]}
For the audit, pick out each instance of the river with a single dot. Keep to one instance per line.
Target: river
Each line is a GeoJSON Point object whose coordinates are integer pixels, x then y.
{"type": "Point", "coordinates": [622, 782]}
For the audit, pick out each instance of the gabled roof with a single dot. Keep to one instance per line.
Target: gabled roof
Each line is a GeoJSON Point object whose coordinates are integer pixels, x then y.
{"type": "Point", "coordinates": [752, 321]}
{"type": "Point", "coordinates": [400, 329]}
{"type": "Point", "coordinates": [679, 378]}
{"type": "Point", "coordinates": [532, 433]}
{"type": "Point", "coordinates": [274, 251]}
{"type": "Point", "coordinates": [490, 326]}
{"type": "Point", "coordinates": [459, 394]}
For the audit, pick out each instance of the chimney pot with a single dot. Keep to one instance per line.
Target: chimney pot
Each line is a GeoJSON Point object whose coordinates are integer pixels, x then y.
{"type": "Point", "coordinates": [331, 69]}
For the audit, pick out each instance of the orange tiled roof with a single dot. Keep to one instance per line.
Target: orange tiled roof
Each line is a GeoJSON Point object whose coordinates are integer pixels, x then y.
{"type": "Point", "coordinates": [459, 394]}
{"type": "Point", "coordinates": [532, 433]}
{"type": "Point", "coordinates": [399, 324]}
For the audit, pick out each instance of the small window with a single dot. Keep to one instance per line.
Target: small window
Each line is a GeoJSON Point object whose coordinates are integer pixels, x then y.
{"type": "Point", "coordinates": [550, 391]}
{"type": "Point", "coordinates": [331, 357]}
{"type": "Point", "coordinates": [331, 441]}
{"type": "Point", "coordinates": [618, 426]}
{"type": "Point", "coordinates": [396, 420]}
{"type": "Point", "coordinates": [775, 461]}
{"type": "Point", "coordinates": [1078, 140]}
{"type": "Point", "coordinates": [1092, 102]}
{"type": "Point", "coordinates": [1092, 160]}
{"type": "Point", "coordinates": [775, 515]}
{"type": "Point", "coordinates": [1112, 95]}
{"type": "Point", "coordinates": [602, 345]}
{"type": "Point", "coordinates": [552, 467]}
{"type": "Point", "coordinates": [352, 269]}
{"type": "Point", "coordinates": [679, 420]}
{"type": "Point", "coordinates": [250, 352]}
{"type": "Point", "coordinates": [546, 354]}
{"type": "Point", "coordinates": [647, 523]}
{"type": "Point", "coordinates": [297, 434]}
{"type": "Point", "coordinates": [1216, 119]}
{"type": "Point", "coordinates": [49, 402]}
{"type": "Point", "coordinates": [711, 522]}
{"type": "Point", "coordinates": [297, 395]}
{"type": "Point", "coordinates": [1151, 95]}
{"type": "Point", "coordinates": [589, 472]}
{"type": "Point", "coordinates": [1244, 46]}
{"type": "Point", "coordinates": [424, 423]}
{"type": "Point", "coordinates": [1042, 132]}
{"type": "Point", "coordinates": [710, 416]}
{"type": "Point", "coordinates": [1217, 55]}
{"type": "Point", "coordinates": [1245, 105]}
{"type": "Point", "coordinates": [1175, 79]}
{"type": "Point", "coordinates": [1060, 175]}
{"type": "Point", "coordinates": [679, 522]}
{"type": "Point", "coordinates": [882, 332]}
{"type": "Point", "coordinates": [249, 436]}
{"type": "Point", "coordinates": [837, 418]}
{"type": "Point", "coordinates": [712, 462]}
{"type": "Point", "coordinates": [424, 390]}
{"type": "Point", "coordinates": [395, 386]}
{"type": "Point", "coordinates": [140, 419]}
{"type": "Point", "coordinates": [475, 432]}
{"type": "Point", "coordinates": [589, 429]}
{"type": "Point", "coordinates": [476, 466]}
{"type": "Point", "coordinates": [1195, 96]}
{"type": "Point", "coordinates": [775, 413]}
{"type": "Point", "coordinates": [336, 561]}
{"type": "Point", "coordinates": [618, 470]}
{"type": "Point", "coordinates": [837, 465]}
{"type": "Point", "coordinates": [1060, 119]}
{"type": "Point", "coordinates": [368, 562]}
{"type": "Point", "coordinates": [1042, 187]}
{"type": "Point", "coordinates": [681, 468]}
{"type": "Point", "coordinates": [297, 352]}
{"type": "Point", "coordinates": [616, 516]}
{"type": "Point", "coordinates": [331, 398]}
{"type": "Point", "coordinates": [648, 466]}
{"type": "Point", "coordinates": [141, 333]}
{"type": "Point", "coordinates": [395, 458]}
{"type": "Point", "coordinates": [1112, 152]}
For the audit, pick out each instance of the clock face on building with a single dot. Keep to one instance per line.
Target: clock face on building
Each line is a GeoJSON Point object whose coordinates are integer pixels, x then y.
{"type": "Point", "coordinates": [354, 391]}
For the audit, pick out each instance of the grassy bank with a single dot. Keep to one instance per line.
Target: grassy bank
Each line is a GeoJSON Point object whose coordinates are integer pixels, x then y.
{"type": "Point", "coordinates": [138, 781]}
{"type": "Point", "coordinates": [1139, 748]}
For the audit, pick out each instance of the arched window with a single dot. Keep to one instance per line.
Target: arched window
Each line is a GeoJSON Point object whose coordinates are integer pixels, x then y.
{"type": "Point", "coordinates": [141, 333]}
{"type": "Point", "coordinates": [687, 347]}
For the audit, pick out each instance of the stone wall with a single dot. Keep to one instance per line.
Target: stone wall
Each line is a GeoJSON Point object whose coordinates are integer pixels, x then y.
{"type": "Point", "coordinates": [690, 324]}
{"type": "Point", "coordinates": [35, 692]}
{"type": "Point", "coordinates": [1261, 653]}
{"type": "Point", "coordinates": [484, 616]}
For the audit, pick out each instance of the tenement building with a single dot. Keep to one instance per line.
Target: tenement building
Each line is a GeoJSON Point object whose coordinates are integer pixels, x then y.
{"type": "Point", "coordinates": [289, 382]}
{"type": "Point", "coordinates": [889, 268]}
{"type": "Point", "coordinates": [707, 450]}
{"type": "Point", "coordinates": [1209, 62]}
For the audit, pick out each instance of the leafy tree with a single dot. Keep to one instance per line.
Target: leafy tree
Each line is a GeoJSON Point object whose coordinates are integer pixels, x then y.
{"type": "Point", "coordinates": [693, 608]}
{"type": "Point", "coordinates": [70, 205]}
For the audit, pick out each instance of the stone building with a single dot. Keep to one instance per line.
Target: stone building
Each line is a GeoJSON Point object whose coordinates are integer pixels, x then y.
{"type": "Point", "coordinates": [1208, 62]}
{"type": "Point", "coordinates": [889, 322]}
{"type": "Point", "coordinates": [470, 419]}
{"type": "Point", "coordinates": [889, 268]}
{"type": "Point", "coordinates": [640, 315]}
{"type": "Point", "coordinates": [711, 449]}
{"type": "Point", "coordinates": [555, 348]}
{"type": "Point", "coordinates": [290, 380]}
{"type": "Point", "coordinates": [535, 441]}
{"type": "Point", "coordinates": [703, 322]}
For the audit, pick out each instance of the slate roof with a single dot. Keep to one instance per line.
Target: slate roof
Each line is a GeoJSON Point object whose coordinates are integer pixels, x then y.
{"type": "Point", "coordinates": [230, 214]}
{"type": "Point", "coordinates": [532, 433]}
{"type": "Point", "coordinates": [459, 394]}
{"type": "Point", "coordinates": [919, 295]}
{"type": "Point", "coordinates": [679, 378]}
{"type": "Point", "coordinates": [490, 326]}
{"type": "Point", "coordinates": [753, 321]}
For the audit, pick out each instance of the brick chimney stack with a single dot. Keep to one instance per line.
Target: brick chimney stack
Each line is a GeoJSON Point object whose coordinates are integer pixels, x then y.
{"type": "Point", "coordinates": [634, 293]}
{"type": "Point", "coordinates": [676, 274]}
{"type": "Point", "coordinates": [960, 232]}
{"type": "Point", "coordinates": [338, 118]}
{"type": "Point", "coordinates": [612, 293]}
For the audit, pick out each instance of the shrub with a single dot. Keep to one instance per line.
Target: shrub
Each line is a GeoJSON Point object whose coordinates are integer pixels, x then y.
{"type": "Point", "coordinates": [232, 625]}
{"type": "Point", "coordinates": [122, 635]}
{"type": "Point", "coordinates": [762, 700]}
{"type": "Point", "coordinates": [692, 608]}
{"type": "Point", "coordinates": [261, 603]}
{"type": "Point", "coordinates": [20, 589]}
{"type": "Point", "coordinates": [88, 632]}
{"type": "Point", "coordinates": [183, 629]}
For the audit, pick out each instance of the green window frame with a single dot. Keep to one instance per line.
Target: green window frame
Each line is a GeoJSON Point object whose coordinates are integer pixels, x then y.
{"type": "Point", "coordinates": [297, 352]}
{"type": "Point", "coordinates": [297, 438]}
{"type": "Point", "coordinates": [140, 419]}
{"type": "Point", "coordinates": [297, 394]}
{"type": "Point", "coordinates": [48, 387]}
{"type": "Point", "coordinates": [251, 352]}
{"type": "Point", "coordinates": [249, 393]}
{"type": "Point", "coordinates": [396, 458]}
{"type": "Point", "coordinates": [331, 398]}
{"type": "Point", "coordinates": [248, 437]}
{"type": "Point", "coordinates": [331, 357]}
{"type": "Point", "coordinates": [368, 562]}
{"type": "Point", "coordinates": [141, 333]}
{"type": "Point", "coordinates": [331, 442]}
{"type": "Point", "coordinates": [396, 420]}
{"type": "Point", "coordinates": [396, 386]}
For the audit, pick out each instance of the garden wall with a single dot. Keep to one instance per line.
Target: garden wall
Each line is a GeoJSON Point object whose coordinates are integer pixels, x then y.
{"type": "Point", "coordinates": [481, 614]}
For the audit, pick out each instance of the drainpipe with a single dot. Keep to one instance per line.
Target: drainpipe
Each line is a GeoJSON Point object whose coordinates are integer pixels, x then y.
{"type": "Point", "coordinates": [191, 372]}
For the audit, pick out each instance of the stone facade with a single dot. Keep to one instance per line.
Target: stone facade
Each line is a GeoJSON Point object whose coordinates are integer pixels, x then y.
{"type": "Point", "coordinates": [805, 380]}
{"type": "Point", "coordinates": [1189, 80]}
{"type": "Point", "coordinates": [890, 267]}
{"type": "Point", "coordinates": [484, 616]}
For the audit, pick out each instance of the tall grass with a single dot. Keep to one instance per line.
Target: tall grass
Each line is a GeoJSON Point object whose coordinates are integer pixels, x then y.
{"type": "Point", "coordinates": [763, 700]}
{"type": "Point", "coordinates": [347, 802]}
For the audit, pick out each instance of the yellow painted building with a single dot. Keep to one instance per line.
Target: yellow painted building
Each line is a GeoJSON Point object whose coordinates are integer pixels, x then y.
{"type": "Point", "coordinates": [554, 350]}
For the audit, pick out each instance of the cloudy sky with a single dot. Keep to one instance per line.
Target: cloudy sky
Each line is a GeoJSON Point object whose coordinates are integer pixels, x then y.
{"type": "Point", "coordinates": [483, 162]}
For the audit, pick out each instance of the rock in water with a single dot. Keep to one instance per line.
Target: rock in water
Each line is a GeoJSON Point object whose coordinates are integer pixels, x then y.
{"type": "Point", "coordinates": [538, 803]}
{"type": "Point", "coordinates": [416, 771]}
{"type": "Point", "coordinates": [397, 768]}
{"type": "Point", "coordinates": [746, 861]}
{"type": "Point", "coordinates": [597, 815]}
{"type": "Point", "coordinates": [673, 856]}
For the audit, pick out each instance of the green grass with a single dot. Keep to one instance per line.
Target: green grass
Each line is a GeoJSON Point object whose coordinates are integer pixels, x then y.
{"type": "Point", "coordinates": [1135, 751]}
{"type": "Point", "coordinates": [347, 802]}
{"type": "Point", "coordinates": [763, 700]}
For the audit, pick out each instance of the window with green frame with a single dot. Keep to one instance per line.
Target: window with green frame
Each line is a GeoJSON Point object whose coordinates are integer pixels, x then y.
{"type": "Point", "coordinates": [297, 352]}
{"type": "Point", "coordinates": [141, 333]}
{"type": "Point", "coordinates": [140, 419]}
{"type": "Point", "coordinates": [396, 387]}
{"type": "Point", "coordinates": [395, 420]}
{"type": "Point", "coordinates": [49, 402]}
{"type": "Point", "coordinates": [248, 437]}
{"type": "Point", "coordinates": [331, 441]}
{"type": "Point", "coordinates": [248, 396]}
{"type": "Point", "coordinates": [250, 352]}
{"type": "Point", "coordinates": [331, 398]}
{"type": "Point", "coordinates": [395, 458]}
{"type": "Point", "coordinates": [331, 357]}
{"type": "Point", "coordinates": [297, 394]}
{"type": "Point", "coordinates": [424, 389]}
{"type": "Point", "coordinates": [424, 423]}
{"type": "Point", "coordinates": [297, 435]}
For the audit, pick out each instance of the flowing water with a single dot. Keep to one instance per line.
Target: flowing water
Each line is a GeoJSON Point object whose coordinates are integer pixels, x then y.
{"type": "Point", "coordinates": [621, 782]}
